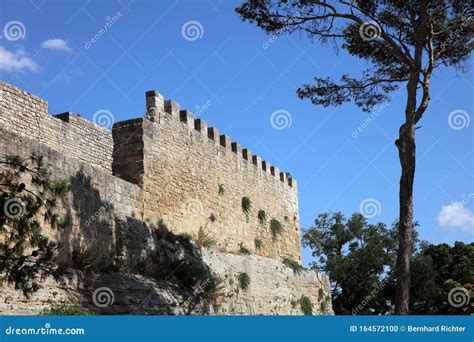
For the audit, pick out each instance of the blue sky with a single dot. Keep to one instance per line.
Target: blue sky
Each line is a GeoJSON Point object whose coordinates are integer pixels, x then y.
{"type": "Point", "coordinates": [243, 76]}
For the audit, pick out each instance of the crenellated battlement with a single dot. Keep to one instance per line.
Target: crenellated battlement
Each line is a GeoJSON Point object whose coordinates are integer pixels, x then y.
{"type": "Point", "coordinates": [191, 174]}
{"type": "Point", "coordinates": [155, 104]}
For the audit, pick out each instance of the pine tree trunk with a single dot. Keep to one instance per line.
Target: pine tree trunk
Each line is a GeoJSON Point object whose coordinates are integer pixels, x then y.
{"type": "Point", "coordinates": [407, 154]}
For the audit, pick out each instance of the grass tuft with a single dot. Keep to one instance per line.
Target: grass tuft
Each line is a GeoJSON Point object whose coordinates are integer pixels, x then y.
{"type": "Point", "coordinates": [262, 216]}
{"type": "Point", "coordinates": [276, 227]}
{"type": "Point", "coordinates": [294, 265]}
{"type": "Point", "coordinates": [243, 250]}
{"type": "Point", "coordinates": [244, 280]}
{"type": "Point", "coordinates": [258, 244]}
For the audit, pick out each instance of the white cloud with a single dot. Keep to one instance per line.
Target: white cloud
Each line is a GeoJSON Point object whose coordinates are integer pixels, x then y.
{"type": "Point", "coordinates": [16, 61]}
{"type": "Point", "coordinates": [56, 44]}
{"type": "Point", "coordinates": [455, 215]}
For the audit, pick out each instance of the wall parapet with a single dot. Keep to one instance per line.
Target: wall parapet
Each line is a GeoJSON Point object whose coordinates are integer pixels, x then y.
{"type": "Point", "coordinates": [156, 104]}
{"type": "Point", "coordinates": [69, 133]}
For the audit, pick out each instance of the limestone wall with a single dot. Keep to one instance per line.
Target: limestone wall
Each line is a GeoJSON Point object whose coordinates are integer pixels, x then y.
{"type": "Point", "coordinates": [91, 207]}
{"type": "Point", "coordinates": [190, 174]}
{"type": "Point", "coordinates": [97, 201]}
{"type": "Point", "coordinates": [27, 115]}
{"type": "Point", "coordinates": [186, 164]}
{"type": "Point", "coordinates": [273, 290]}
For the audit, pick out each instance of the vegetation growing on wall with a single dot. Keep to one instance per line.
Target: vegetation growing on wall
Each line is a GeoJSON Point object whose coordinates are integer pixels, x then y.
{"type": "Point", "coordinates": [262, 216]}
{"type": "Point", "coordinates": [185, 264]}
{"type": "Point", "coordinates": [276, 227]}
{"type": "Point", "coordinates": [243, 250]}
{"type": "Point", "coordinates": [90, 260]}
{"type": "Point", "coordinates": [244, 280]}
{"type": "Point", "coordinates": [246, 206]}
{"type": "Point", "coordinates": [65, 310]}
{"type": "Point", "coordinates": [294, 265]}
{"type": "Point", "coordinates": [258, 244]}
{"type": "Point", "coordinates": [306, 306]}
{"type": "Point", "coordinates": [204, 239]}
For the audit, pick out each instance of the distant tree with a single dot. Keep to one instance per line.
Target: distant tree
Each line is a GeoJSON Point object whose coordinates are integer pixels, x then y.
{"type": "Point", "coordinates": [443, 279]}
{"type": "Point", "coordinates": [360, 260]}
{"type": "Point", "coordinates": [356, 256]}
{"type": "Point", "coordinates": [405, 41]}
{"type": "Point", "coordinates": [25, 253]}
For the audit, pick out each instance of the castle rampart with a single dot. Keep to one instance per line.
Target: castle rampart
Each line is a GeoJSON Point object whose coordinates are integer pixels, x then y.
{"type": "Point", "coordinates": [191, 176]}
{"type": "Point", "coordinates": [27, 115]}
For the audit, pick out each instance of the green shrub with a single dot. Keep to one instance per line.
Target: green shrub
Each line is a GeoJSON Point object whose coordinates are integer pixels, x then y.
{"type": "Point", "coordinates": [258, 244]}
{"type": "Point", "coordinates": [212, 287]}
{"type": "Point", "coordinates": [306, 306]}
{"type": "Point", "coordinates": [189, 270]}
{"type": "Point", "coordinates": [320, 294]}
{"type": "Point", "coordinates": [276, 227]}
{"type": "Point", "coordinates": [246, 205]}
{"type": "Point", "coordinates": [244, 280]}
{"type": "Point", "coordinates": [294, 265]}
{"type": "Point", "coordinates": [243, 249]}
{"type": "Point", "coordinates": [59, 187]}
{"type": "Point", "coordinates": [262, 216]}
{"type": "Point", "coordinates": [203, 239]}
{"type": "Point", "coordinates": [90, 259]}
{"type": "Point", "coordinates": [65, 310]}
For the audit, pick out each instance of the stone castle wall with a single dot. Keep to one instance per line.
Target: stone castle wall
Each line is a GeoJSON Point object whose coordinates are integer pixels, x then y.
{"type": "Point", "coordinates": [165, 167]}
{"type": "Point", "coordinates": [179, 163]}
{"type": "Point", "coordinates": [184, 163]}
{"type": "Point", "coordinates": [27, 115]}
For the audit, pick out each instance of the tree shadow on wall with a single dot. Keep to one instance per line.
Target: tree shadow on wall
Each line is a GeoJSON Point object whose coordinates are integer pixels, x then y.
{"type": "Point", "coordinates": [125, 266]}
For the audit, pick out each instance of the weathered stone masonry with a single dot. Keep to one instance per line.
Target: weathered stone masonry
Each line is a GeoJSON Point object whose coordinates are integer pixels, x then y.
{"type": "Point", "coordinates": [166, 166]}
{"type": "Point", "coordinates": [180, 163]}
